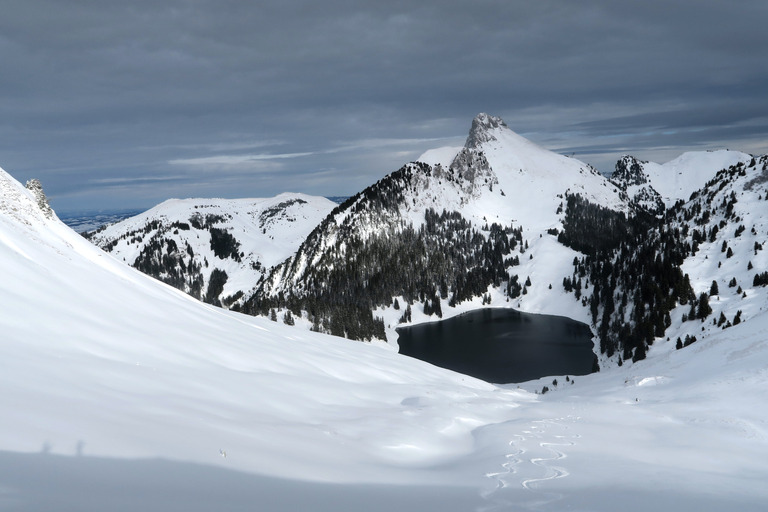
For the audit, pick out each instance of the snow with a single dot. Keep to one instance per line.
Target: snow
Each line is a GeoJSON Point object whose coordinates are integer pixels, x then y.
{"type": "Point", "coordinates": [443, 156]}
{"type": "Point", "coordinates": [532, 184]}
{"type": "Point", "coordinates": [120, 393]}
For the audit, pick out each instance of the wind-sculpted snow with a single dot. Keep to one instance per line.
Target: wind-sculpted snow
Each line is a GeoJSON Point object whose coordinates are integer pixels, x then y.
{"type": "Point", "coordinates": [102, 360]}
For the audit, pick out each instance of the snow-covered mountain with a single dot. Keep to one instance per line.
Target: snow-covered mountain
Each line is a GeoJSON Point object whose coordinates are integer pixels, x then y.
{"type": "Point", "coordinates": [629, 176]}
{"type": "Point", "coordinates": [122, 393]}
{"type": "Point", "coordinates": [503, 222]}
{"type": "Point", "coordinates": [658, 186]}
{"type": "Point", "coordinates": [213, 249]}
{"type": "Point", "coordinates": [460, 228]}
{"type": "Point", "coordinates": [691, 270]}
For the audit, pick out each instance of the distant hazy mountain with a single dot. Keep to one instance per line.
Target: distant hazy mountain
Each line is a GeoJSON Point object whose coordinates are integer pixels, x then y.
{"type": "Point", "coordinates": [89, 220]}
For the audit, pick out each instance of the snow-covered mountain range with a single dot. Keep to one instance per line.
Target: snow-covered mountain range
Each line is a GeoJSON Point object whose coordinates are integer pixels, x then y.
{"type": "Point", "coordinates": [499, 222]}
{"type": "Point", "coordinates": [122, 393]}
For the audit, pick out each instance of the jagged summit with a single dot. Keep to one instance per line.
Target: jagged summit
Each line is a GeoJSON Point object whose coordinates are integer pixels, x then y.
{"type": "Point", "coordinates": [28, 205]}
{"type": "Point", "coordinates": [629, 171]}
{"type": "Point", "coordinates": [36, 188]}
{"type": "Point", "coordinates": [536, 177]}
{"type": "Point", "coordinates": [630, 177]}
{"type": "Point", "coordinates": [480, 132]}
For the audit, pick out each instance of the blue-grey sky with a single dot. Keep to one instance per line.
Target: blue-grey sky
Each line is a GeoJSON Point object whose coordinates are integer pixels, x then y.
{"type": "Point", "coordinates": [117, 104]}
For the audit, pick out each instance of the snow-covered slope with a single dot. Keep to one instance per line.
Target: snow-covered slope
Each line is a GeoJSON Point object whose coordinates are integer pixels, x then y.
{"type": "Point", "coordinates": [121, 393]}
{"type": "Point", "coordinates": [534, 179]}
{"type": "Point", "coordinates": [182, 242]}
{"type": "Point", "coordinates": [727, 221]}
{"type": "Point", "coordinates": [725, 228]}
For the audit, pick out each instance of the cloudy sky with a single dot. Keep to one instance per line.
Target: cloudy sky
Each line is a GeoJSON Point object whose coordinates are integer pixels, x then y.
{"type": "Point", "coordinates": [119, 104]}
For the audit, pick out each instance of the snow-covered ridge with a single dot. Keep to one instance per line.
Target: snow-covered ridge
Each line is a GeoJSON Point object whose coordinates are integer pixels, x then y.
{"type": "Point", "coordinates": [727, 223]}
{"type": "Point", "coordinates": [183, 241]}
{"type": "Point", "coordinates": [20, 203]}
{"type": "Point", "coordinates": [679, 178]}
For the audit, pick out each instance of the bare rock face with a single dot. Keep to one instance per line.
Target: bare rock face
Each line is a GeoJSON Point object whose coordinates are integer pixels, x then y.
{"type": "Point", "coordinates": [479, 134]}
{"type": "Point", "coordinates": [629, 171]}
{"type": "Point", "coordinates": [472, 171]}
{"type": "Point", "coordinates": [36, 188]}
{"type": "Point", "coordinates": [630, 177]}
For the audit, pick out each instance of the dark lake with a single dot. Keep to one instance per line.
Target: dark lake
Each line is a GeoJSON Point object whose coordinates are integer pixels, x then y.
{"type": "Point", "coordinates": [503, 345]}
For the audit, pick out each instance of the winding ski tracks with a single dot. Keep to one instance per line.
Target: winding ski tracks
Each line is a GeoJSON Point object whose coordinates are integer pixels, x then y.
{"type": "Point", "coordinates": [542, 445]}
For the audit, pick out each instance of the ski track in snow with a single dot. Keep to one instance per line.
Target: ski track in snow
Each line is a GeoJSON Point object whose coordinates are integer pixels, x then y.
{"type": "Point", "coordinates": [521, 469]}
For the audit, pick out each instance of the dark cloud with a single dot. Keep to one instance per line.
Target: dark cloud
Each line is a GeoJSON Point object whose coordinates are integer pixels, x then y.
{"type": "Point", "coordinates": [128, 103]}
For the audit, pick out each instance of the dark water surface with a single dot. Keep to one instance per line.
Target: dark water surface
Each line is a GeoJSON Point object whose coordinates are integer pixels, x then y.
{"type": "Point", "coordinates": [503, 345]}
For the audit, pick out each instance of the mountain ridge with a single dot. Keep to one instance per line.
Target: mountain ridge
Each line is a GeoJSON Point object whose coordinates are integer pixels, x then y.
{"type": "Point", "coordinates": [213, 249]}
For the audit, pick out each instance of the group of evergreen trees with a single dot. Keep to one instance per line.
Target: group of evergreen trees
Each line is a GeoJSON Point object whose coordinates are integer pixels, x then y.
{"type": "Point", "coordinates": [446, 258]}
{"type": "Point", "coordinates": [161, 257]}
{"type": "Point", "coordinates": [630, 276]}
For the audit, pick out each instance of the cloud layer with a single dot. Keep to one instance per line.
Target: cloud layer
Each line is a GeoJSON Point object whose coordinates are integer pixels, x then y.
{"type": "Point", "coordinates": [124, 104]}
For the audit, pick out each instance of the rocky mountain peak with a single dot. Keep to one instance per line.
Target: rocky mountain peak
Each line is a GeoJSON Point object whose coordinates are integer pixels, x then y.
{"type": "Point", "coordinates": [482, 125]}
{"type": "Point", "coordinates": [36, 188]}
{"type": "Point", "coordinates": [631, 177]}
{"type": "Point", "coordinates": [629, 171]}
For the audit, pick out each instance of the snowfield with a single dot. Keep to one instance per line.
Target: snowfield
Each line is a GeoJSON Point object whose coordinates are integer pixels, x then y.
{"type": "Point", "coordinates": [121, 393]}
